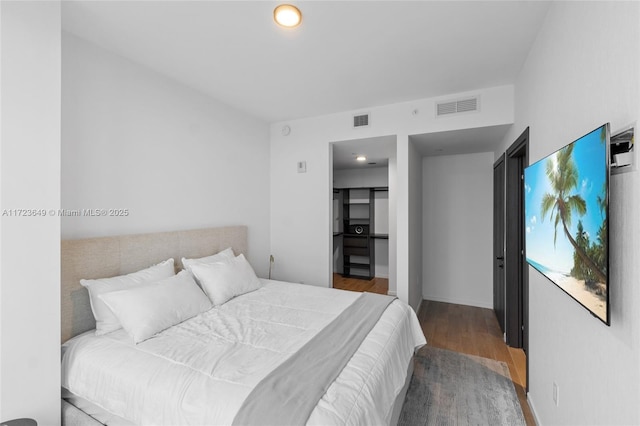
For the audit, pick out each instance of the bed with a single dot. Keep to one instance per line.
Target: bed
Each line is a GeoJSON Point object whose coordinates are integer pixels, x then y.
{"type": "Point", "coordinates": [212, 367]}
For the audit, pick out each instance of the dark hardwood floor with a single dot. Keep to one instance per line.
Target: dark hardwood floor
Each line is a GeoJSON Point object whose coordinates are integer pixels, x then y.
{"type": "Point", "coordinates": [376, 285]}
{"type": "Point", "coordinates": [465, 329]}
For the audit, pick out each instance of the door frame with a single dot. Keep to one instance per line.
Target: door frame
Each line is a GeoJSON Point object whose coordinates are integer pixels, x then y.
{"type": "Point", "coordinates": [498, 241]}
{"type": "Point", "coordinates": [517, 294]}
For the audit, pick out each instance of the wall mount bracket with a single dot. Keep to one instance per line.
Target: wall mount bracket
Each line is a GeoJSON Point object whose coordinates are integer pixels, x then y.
{"type": "Point", "coordinates": [623, 156]}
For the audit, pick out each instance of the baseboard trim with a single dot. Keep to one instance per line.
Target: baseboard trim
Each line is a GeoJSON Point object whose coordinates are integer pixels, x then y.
{"type": "Point", "coordinates": [533, 408]}
{"type": "Point", "coordinates": [459, 301]}
{"type": "Point", "coordinates": [392, 293]}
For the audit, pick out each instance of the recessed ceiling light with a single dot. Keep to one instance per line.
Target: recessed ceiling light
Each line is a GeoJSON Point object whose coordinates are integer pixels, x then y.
{"type": "Point", "coordinates": [287, 16]}
{"type": "Point", "coordinates": [361, 158]}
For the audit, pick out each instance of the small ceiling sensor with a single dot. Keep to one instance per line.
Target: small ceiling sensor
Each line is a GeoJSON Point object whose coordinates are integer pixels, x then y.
{"type": "Point", "coordinates": [415, 112]}
{"type": "Point", "coordinates": [287, 16]}
{"type": "Point", "coordinates": [361, 158]}
{"type": "Point", "coordinates": [286, 130]}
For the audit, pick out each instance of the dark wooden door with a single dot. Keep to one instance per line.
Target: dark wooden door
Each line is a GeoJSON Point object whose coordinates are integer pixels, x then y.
{"type": "Point", "coordinates": [498, 241]}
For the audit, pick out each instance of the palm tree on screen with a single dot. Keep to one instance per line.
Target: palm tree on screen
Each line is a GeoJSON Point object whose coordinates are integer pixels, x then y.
{"type": "Point", "coordinates": [600, 251]}
{"type": "Point", "coordinates": [561, 204]}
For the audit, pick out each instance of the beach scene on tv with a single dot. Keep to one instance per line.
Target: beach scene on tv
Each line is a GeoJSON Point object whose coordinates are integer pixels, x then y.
{"type": "Point", "coordinates": [566, 219]}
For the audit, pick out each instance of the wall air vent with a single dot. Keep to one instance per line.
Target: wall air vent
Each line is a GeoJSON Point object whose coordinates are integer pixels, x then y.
{"type": "Point", "coordinates": [361, 120]}
{"type": "Point", "coordinates": [456, 107]}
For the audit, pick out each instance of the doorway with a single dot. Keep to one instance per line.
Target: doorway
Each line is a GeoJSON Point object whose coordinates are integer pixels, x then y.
{"type": "Point", "coordinates": [499, 301]}
{"type": "Point", "coordinates": [510, 283]}
{"type": "Point", "coordinates": [516, 290]}
{"type": "Point", "coordinates": [362, 178]}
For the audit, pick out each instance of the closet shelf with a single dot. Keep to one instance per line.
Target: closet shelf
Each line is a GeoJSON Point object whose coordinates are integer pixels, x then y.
{"type": "Point", "coordinates": [359, 265]}
{"type": "Point", "coordinates": [357, 225]}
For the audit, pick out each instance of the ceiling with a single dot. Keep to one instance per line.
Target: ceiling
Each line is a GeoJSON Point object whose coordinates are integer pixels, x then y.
{"type": "Point", "coordinates": [455, 142]}
{"type": "Point", "coordinates": [346, 55]}
{"type": "Point", "coordinates": [377, 150]}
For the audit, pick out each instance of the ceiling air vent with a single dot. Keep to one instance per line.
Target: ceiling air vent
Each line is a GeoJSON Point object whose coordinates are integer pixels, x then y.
{"type": "Point", "coordinates": [455, 107]}
{"type": "Point", "coordinates": [361, 120]}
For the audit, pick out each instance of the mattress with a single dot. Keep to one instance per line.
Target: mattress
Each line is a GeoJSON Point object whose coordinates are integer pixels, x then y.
{"type": "Point", "coordinates": [199, 372]}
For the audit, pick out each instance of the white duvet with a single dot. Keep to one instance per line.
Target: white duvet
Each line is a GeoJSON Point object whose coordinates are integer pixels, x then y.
{"type": "Point", "coordinates": [200, 371]}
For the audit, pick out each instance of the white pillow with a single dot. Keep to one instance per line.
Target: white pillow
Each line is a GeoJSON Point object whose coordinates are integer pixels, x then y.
{"type": "Point", "coordinates": [106, 322]}
{"type": "Point", "coordinates": [146, 310]}
{"type": "Point", "coordinates": [223, 256]}
{"type": "Point", "coordinates": [224, 281]}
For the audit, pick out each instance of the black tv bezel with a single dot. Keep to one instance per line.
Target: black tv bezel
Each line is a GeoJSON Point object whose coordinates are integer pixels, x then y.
{"type": "Point", "coordinates": [607, 126]}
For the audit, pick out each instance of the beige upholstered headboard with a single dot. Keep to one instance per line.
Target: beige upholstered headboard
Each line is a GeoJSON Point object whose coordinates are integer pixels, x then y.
{"type": "Point", "coordinates": [111, 256]}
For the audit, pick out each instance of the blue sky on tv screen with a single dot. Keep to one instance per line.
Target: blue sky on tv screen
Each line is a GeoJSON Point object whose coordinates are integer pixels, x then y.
{"type": "Point", "coordinates": [589, 156]}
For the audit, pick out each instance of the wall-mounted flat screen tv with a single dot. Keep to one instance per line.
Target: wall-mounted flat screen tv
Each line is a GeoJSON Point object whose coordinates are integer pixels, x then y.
{"type": "Point", "coordinates": [566, 197]}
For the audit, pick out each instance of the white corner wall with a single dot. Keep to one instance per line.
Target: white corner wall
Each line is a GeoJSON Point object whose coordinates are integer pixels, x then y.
{"type": "Point", "coordinates": [415, 227]}
{"type": "Point", "coordinates": [584, 70]}
{"type": "Point", "coordinates": [393, 226]}
{"type": "Point", "coordinates": [458, 223]}
{"type": "Point", "coordinates": [301, 204]}
{"type": "Point", "coordinates": [30, 179]}
{"type": "Point", "coordinates": [175, 158]}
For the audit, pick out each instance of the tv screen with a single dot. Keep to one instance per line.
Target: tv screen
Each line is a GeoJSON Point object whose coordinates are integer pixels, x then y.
{"type": "Point", "coordinates": [566, 198]}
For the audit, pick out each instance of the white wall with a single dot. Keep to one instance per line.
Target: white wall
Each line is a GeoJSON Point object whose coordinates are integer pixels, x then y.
{"type": "Point", "coordinates": [361, 177]}
{"type": "Point", "coordinates": [301, 204]}
{"type": "Point", "coordinates": [393, 226]}
{"type": "Point", "coordinates": [30, 179]}
{"type": "Point", "coordinates": [403, 237]}
{"type": "Point", "coordinates": [458, 222]}
{"type": "Point", "coordinates": [415, 227]}
{"type": "Point", "coordinates": [176, 159]}
{"type": "Point", "coordinates": [584, 70]}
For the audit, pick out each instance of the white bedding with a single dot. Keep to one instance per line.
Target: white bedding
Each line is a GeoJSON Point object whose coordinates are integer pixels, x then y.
{"type": "Point", "coordinates": [200, 371]}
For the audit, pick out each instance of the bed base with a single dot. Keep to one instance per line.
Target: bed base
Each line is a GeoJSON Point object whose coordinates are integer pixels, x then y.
{"type": "Point", "coordinates": [74, 416]}
{"type": "Point", "coordinates": [397, 406]}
